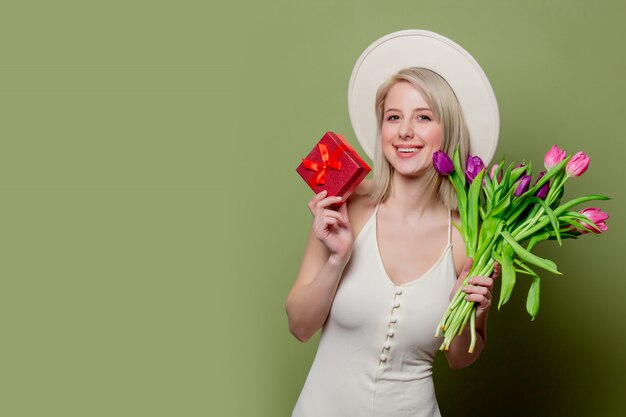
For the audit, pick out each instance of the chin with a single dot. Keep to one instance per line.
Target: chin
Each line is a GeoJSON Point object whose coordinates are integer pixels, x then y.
{"type": "Point", "coordinates": [412, 173]}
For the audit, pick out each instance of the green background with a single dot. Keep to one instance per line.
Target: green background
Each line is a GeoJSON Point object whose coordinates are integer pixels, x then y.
{"type": "Point", "coordinates": [152, 223]}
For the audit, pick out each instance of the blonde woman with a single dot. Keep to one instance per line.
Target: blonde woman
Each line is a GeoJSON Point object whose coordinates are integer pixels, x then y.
{"type": "Point", "coordinates": [377, 273]}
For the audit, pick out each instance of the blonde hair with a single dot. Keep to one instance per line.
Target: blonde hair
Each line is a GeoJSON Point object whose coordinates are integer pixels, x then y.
{"type": "Point", "coordinates": [446, 110]}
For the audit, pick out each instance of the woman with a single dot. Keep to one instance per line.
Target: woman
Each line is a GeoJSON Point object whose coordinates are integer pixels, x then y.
{"type": "Point", "coordinates": [378, 273]}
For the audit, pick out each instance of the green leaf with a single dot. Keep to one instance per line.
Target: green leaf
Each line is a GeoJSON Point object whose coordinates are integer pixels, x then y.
{"type": "Point", "coordinates": [500, 188]}
{"type": "Point", "coordinates": [564, 207]}
{"type": "Point", "coordinates": [516, 209]}
{"type": "Point", "coordinates": [459, 185]}
{"type": "Point", "coordinates": [458, 168]}
{"type": "Point", "coordinates": [502, 205]}
{"type": "Point", "coordinates": [508, 273]}
{"type": "Point", "coordinates": [525, 269]}
{"type": "Point", "coordinates": [565, 235]}
{"type": "Point", "coordinates": [489, 235]}
{"type": "Point", "coordinates": [515, 174]}
{"type": "Point", "coordinates": [577, 220]}
{"type": "Point", "coordinates": [488, 189]}
{"type": "Point", "coordinates": [473, 199]}
{"type": "Point", "coordinates": [540, 237]}
{"type": "Point", "coordinates": [553, 219]}
{"type": "Point", "coordinates": [558, 212]}
{"type": "Point", "coordinates": [461, 198]}
{"type": "Point", "coordinates": [529, 257]}
{"type": "Point", "coordinates": [490, 226]}
{"type": "Point", "coordinates": [552, 172]}
{"type": "Point", "coordinates": [532, 301]}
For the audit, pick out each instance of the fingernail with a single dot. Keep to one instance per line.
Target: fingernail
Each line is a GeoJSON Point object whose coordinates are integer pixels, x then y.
{"type": "Point", "coordinates": [469, 281]}
{"type": "Point", "coordinates": [338, 198]}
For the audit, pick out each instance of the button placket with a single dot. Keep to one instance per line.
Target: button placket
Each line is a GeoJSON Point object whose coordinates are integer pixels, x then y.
{"type": "Point", "coordinates": [393, 319]}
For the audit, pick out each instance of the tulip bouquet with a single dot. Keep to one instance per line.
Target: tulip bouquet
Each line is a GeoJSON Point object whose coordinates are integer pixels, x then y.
{"type": "Point", "coordinates": [503, 217]}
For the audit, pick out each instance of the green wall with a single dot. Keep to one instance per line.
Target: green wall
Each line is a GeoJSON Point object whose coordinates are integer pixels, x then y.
{"type": "Point", "coordinates": [152, 223]}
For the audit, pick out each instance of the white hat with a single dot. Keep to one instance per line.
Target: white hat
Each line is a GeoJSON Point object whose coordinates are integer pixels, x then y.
{"type": "Point", "coordinates": [424, 49]}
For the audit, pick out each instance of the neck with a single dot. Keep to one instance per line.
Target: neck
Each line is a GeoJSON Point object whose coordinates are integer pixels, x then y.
{"type": "Point", "coordinates": [412, 197]}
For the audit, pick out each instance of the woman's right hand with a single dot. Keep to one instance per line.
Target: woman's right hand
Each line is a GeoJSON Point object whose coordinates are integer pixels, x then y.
{"type": "Point", "coordinates": [332, 227]}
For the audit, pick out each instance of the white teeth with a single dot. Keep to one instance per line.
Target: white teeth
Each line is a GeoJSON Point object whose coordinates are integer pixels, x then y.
{"type": "Point", "coordinates": [407, 150]}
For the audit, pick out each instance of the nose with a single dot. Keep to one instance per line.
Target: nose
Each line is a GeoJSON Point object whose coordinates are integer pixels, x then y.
{"type": "Point", "coordinates": [406, 129]}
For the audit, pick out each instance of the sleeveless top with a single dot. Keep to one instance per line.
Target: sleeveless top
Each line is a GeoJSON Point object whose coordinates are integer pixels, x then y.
{"type": "Point", "coordinates": [378, 344]}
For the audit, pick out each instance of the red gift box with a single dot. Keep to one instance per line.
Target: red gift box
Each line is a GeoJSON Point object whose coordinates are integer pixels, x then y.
{"type": "Point", "coordinates": [333, 166]}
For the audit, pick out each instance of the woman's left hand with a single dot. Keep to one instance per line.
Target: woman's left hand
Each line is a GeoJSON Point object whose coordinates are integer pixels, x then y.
{"type": "Point", "coordinates": [478, 289]}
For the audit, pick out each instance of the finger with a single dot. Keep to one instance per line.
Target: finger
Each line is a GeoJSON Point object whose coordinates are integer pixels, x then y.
{"type": "Point", "coordinates": [473, 289]}
{"type": "Point", "coordinates": [335, 215]}
{"type": "Point", "coordinates": [328, 201]}
{"type": "Point", "coordinates": [325, 226]}
{"type": "Point", "coordinates": [330, 221]}
{"type": "Point", "coordinates": [343, 209]}
{"type": "Point", "coordinates": [317, 197]}
{"type": "Point", "coordinates": [497, 270]}
{"type": "Point", "coordinates": [482, 302]}
{"type": "Point", "coordinates": [482, 281]}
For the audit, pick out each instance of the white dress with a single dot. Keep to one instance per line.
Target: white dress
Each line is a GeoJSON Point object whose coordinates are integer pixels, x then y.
{"type": "Point", "coordinates": [377, 347]}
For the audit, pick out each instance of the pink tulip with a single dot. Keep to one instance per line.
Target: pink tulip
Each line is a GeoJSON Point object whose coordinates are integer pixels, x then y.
{"type": "Point", "coordinates": [577, 165]}
{"type": "Point", "coordinates": [493, 172]}
{"type": "Point", "coordinates": [553, 157]}
{"type": "Point", "coordinates": [598, 217]}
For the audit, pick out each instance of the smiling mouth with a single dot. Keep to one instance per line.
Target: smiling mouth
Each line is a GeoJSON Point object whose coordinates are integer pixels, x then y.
{"type": "Point", "coordinates": [407, 150]}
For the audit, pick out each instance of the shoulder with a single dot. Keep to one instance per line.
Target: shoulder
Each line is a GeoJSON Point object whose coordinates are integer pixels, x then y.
{"type": "Point", "coordinates": [360, 206]}
{"type": "Point", "coordinates": [458, 244]}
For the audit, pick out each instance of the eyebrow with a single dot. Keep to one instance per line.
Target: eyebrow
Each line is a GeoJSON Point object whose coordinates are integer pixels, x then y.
{"type": "Point", "coordinates": [414, 110]}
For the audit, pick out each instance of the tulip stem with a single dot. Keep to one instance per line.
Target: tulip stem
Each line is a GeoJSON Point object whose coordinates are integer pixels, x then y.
{"type": "Point", "coordinates": [473, 330]}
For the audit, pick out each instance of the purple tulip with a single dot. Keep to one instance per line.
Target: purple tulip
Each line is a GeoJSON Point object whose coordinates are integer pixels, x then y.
{"type": "Point", "coordinates": [473, 167]}
{"type": "Point", "coordinates": [542, 193]}
{"type": "Point", "coordinates": [553, 157]}
{"type": "Point", "coordinates": [577, 165]}
{"type": "Point", "coordinates": [598, 217]}
{"type": "Point", "coordinates": [442, 163]}
{"type": "Point", "coordinates": [522, 185]}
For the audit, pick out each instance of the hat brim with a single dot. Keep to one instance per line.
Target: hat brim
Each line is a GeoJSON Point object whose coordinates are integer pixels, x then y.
{"type": "Point", "coordinates": [424, 49]}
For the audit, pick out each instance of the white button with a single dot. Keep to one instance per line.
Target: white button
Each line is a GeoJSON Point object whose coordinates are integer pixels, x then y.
{"type": "Point", "coordinates": [383, 358]}
{"type": "Point", "coordinates": [396, 304]}
{"type": "Point", "coordinates": [393, 319]}
{"type": "Point", "coordinates": [398, 290]}
{"type": "Point", "coordinates": [390, 333]}
{"type": "Point", "coordinates": [387, 345]}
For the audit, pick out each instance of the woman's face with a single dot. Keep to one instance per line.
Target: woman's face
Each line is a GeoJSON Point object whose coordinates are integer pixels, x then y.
{"type": "Point", "coordinates": [410, 133]}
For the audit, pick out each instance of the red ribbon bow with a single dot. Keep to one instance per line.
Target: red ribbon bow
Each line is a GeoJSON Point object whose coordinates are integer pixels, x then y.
{"type": "Point", "coordinates": [328, 161]}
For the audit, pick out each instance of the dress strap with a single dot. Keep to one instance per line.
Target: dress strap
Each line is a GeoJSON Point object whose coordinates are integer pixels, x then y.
{"type": "Point", "coordinates": [449, 227]}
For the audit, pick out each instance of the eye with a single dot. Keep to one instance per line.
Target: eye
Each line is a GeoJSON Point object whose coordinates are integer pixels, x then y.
{"type": "Point", "coordinates": [424, 117]}
{"type": "Point", "coordinates": [393, 117]}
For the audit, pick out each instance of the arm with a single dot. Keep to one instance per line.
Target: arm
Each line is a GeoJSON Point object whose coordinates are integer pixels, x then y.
{"type": "Point", "coordinates": [479, 291]}
{"type": "Point", "coordinates": [327, 252]}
